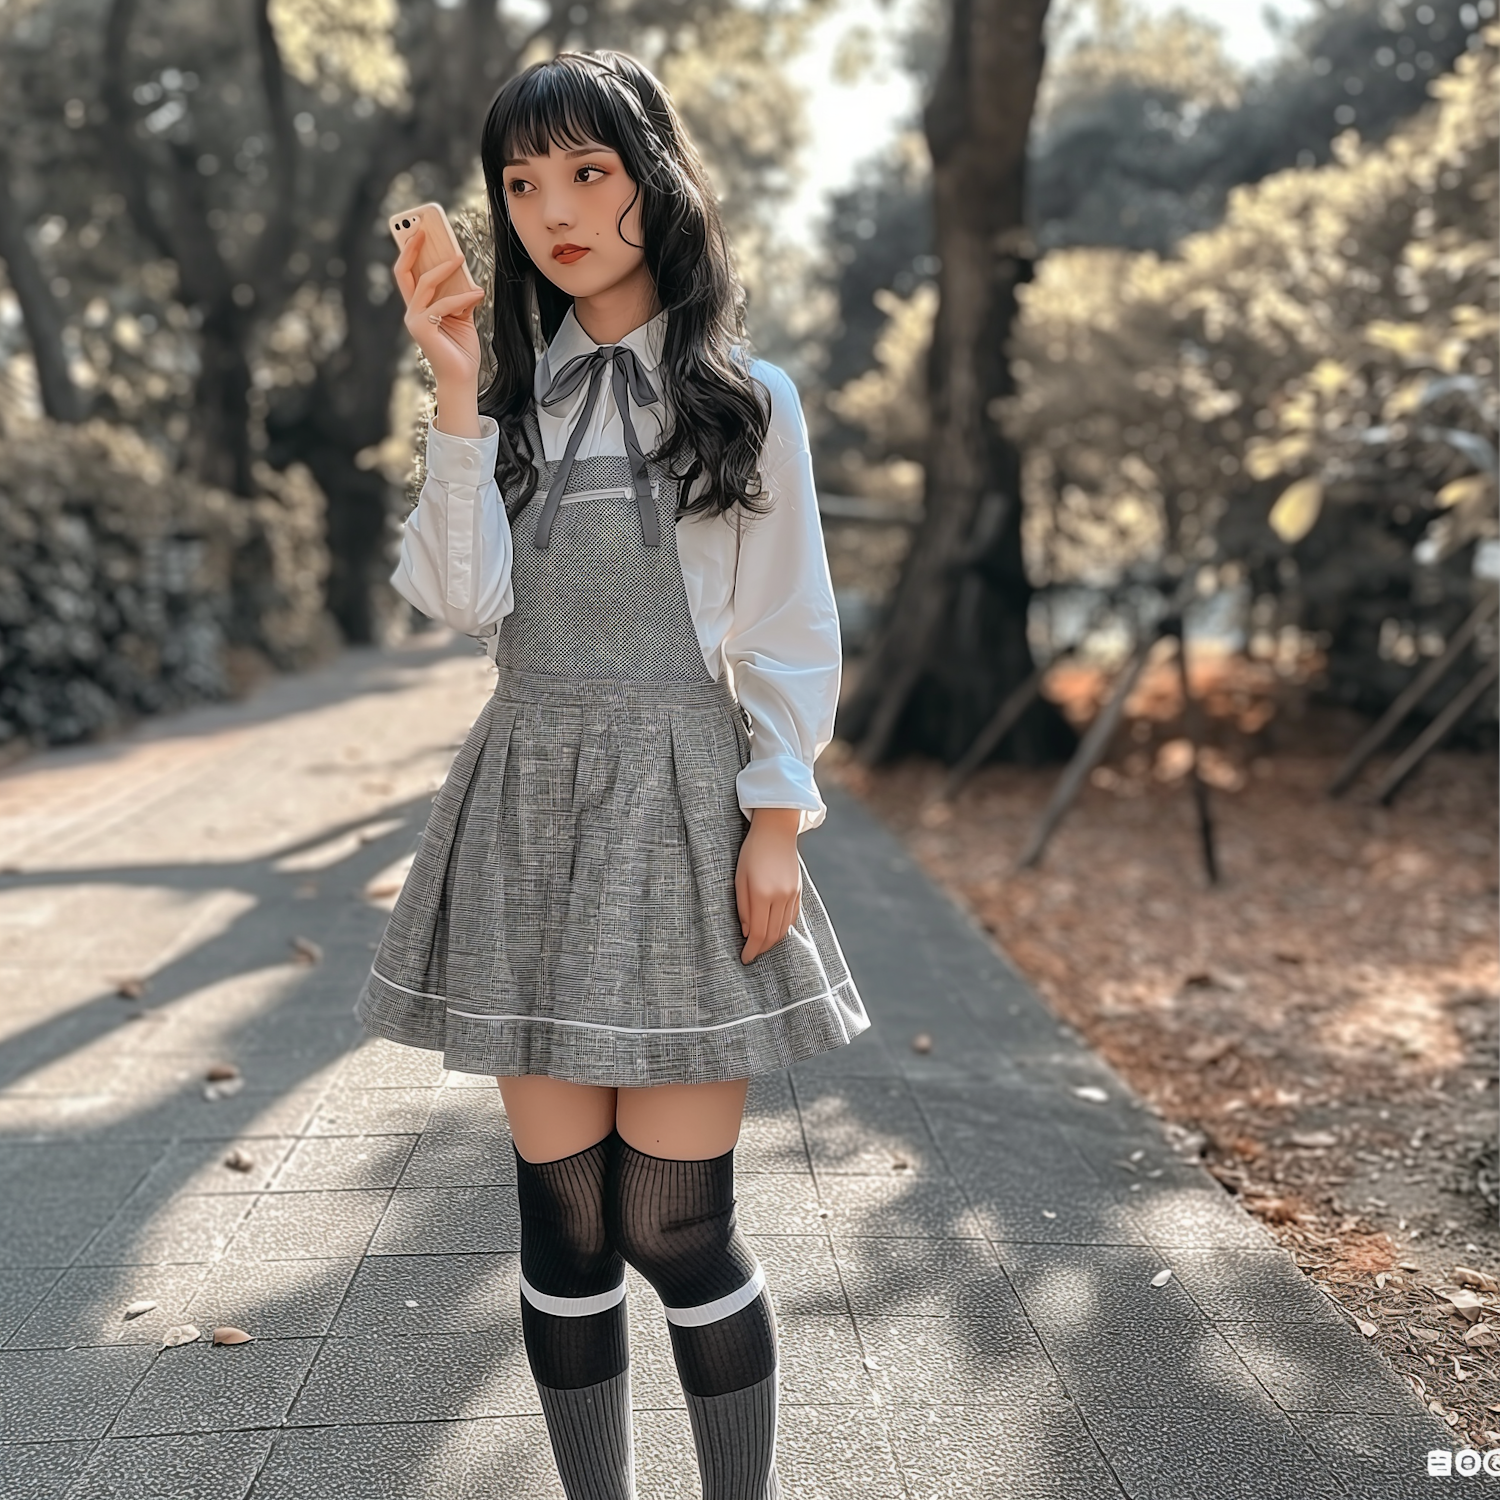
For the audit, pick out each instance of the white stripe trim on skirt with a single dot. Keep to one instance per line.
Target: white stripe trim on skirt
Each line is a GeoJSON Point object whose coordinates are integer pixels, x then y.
{"type": "Point", "coordinates": [469, 1015]}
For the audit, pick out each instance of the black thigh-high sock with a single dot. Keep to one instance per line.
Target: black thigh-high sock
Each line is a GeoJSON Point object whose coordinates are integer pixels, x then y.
{"type": "Point", "coordinates": [674, 1222]}
{"type": "Point", "coordinates": [573, 1321]}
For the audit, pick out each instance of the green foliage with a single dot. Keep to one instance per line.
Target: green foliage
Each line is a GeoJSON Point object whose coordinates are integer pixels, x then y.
{"type": "Point", "coordinates": [1304, 394]}
{"type": "Point", "coordinates": [123, 586]}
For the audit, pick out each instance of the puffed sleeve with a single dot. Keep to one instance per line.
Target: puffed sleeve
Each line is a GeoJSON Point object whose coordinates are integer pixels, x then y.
{"type": "Point", "coordinates": [783, 645]}
{"type": "Point", "coordinates": [456, 548]}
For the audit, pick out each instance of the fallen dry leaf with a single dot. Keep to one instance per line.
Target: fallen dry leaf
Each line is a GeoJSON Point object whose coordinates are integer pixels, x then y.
{"type": "Point", "coordinates": [222, 1072]}
{"type": "Point", "coordinates": [1314, 1140]}
{"type": "Point", "coordinates": [1368, 1329]}
{"type": "Point", "coordinates": [130, 988]}
{"type": "Point", "coordinates": [1161, 1278]}
{"type": "Point", "coordinates": [1480, 1280]}
{"type": "Point", "coordinates": [305, 951]}
{"type": "Point", "coordinates": [240, 1161]}
{"type": "Point", "coordinates": [1093, 1094]}
{"type": "Point", "coordinates": [1482, 1336]}
{"type": "Point", "coordinates": [225, 1090]}
{"type": "Point", "coordinates": [379, 888]}
{"type": "Point", "coordinates": [182, 1333]}
{"type": "Point", "coordinates": [922, 1042]}
{"type": "Point", "coordinates": [1464, 1302]}
{"type": "Point", "coordinates": [136, 1310]}
{"type": "Point", "coordinates": [228, 1335]}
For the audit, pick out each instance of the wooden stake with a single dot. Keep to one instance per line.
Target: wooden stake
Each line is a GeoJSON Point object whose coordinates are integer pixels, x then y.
{"type": "Point", "coordinates": [1436, 732]}
{"type": "Point", "coordinates": [1089, 752]}
{"type": "Point", "coordinates": [1192, 726]}
{"type": "Point", "coordinates": [1412, 694]}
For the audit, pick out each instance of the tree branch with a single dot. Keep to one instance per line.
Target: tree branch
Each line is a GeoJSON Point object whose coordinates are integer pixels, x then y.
{"type": "Point", "coordinates": [61, 399]}
{"type": "Point", "coordinates": [280, 233]}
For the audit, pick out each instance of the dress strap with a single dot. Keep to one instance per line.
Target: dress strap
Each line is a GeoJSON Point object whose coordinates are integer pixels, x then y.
{"type": "Point", "coordinates": [627, 379]}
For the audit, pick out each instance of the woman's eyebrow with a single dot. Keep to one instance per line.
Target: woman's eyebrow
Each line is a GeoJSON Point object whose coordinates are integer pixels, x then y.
{"type": "Point", "coordinates": [525, 161]}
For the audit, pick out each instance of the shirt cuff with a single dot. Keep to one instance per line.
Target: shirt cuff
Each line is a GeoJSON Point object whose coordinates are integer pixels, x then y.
{"type": "Point", "coordinates": [781, 781]}
{"type": "Point", "coordinates": [457, 460]}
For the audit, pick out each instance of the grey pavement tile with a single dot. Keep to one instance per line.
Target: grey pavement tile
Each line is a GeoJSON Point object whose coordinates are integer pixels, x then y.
{"type": "Point", "coordinates": [1173, 1451]}
{"type": "Point", "coordinates": [769, 1094]}
{"type": "Point", "coordinates": [437, 1221]}
{"type": "Point", "coordinates": [201, 1387]}
{"type": "Point", "coordinates": [199, 1166]}
{"type": "Point", "coordinates": [772, 1143]}
{"type": "Point", "coordinates": [317, 1038]}
{"type": "Point", "coordinates": [1252, 1286]}
{"type": "Point", "coordinates": [373, 1161]}
{"type": "Point", "coordinates": [863, 1126]}
{"type": "Point", "coordinates": [511, 1459]}
{"type": "Point", "coordinates": [88, 1303]}
{"type": "Point", "coordinates": [278, 1299]}
{"type": "Point", "coordinates": [379, 1064]}
{"type": "Point", "coordinates": [1310, 1367]}
{"type": "Point", "coordinates": [969, 1360]}
{"type": "Point", "coordinates": [50, 1233]}
{"type": "Point", "coordinates": [898, 1205]}
{"type": "Point", "coordinates": [802, 1274]}
{"type": "Point", "coordinates": [401, 1111]}
{"type": "Point", "coordinates": [182, 1466]}
{"type": "Point", "coordinates": [779, 1203]}
{"type": "Point", "coordinates": [1016, 1450]}
{"type": "Point", "coordinates": [914, 1278]}
{"type": "Point", "coordinates": [822, 1362]}
{"type": "Point", "coordinates": [400, 1461]}
{"type": "Point", "coordinates": [834, 1453]}
{"type": "Point", "coordinates": [451, 1293]}
{"type": "Point", "coordinates": [867, 1056]}
{"type": "Point", "coordinates": [665, 1466]}
{"type": "Point", "coordinates": [1118, 1341]}
{"type": "Point", "coordinates": [69, 1190]}
{"type": "Point", "coordinates": [178, 1230]}
{"type": "Point", "coordinates": [49, 1394]}
{"type": "Point", "coordinates": [1193, 1215]}
{"type": "Point", "coordinates": [40, 1471]}
{"type": "Point", "coordinates": [191, 1117]}
{"type": "Point", "coordinates": [310, 1225]}
{"type": "Point", "coordinates": [21, 1289]}
{"type": "Point", "coordinates": [427, 1377]}
{"type": "Point", "coordinates": [1383, 1456]}
{"type": "Point", "coordinates": [1044, 1196]}
{"type": "Point", "coordinates": [467, 1143]}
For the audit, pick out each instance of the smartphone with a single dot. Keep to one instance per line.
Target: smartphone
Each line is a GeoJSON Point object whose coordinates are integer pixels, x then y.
{"type": "Point", "coordinates": [441, 244]}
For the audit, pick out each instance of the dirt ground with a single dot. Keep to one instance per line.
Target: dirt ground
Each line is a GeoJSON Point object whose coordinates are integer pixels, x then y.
{"type": "Point", "coordinates": [1322, 1025]}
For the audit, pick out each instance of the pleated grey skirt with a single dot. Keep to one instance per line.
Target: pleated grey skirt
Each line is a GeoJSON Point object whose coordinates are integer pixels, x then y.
{"type": "Point", "coordinates": [571, 908]}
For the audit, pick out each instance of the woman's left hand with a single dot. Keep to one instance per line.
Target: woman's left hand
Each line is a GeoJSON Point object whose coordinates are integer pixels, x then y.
{"type": "Point", "coordinates": [768, 879]}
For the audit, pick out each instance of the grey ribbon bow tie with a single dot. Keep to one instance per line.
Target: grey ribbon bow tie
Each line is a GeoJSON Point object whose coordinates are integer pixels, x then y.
{"type": "Point", "coordinates": [627, 379]}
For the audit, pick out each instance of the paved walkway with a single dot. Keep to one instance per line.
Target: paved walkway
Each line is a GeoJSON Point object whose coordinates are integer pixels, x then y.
{"type": "Point", "coordinates": [962, 1245]}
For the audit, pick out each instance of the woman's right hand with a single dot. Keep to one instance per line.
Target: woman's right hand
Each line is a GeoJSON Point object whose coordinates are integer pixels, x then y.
{"type": "Point", "coordinates": [443, 327]}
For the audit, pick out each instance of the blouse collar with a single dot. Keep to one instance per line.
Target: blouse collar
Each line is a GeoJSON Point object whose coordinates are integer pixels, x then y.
{"type": "Point", "coordinates": [645, 342]}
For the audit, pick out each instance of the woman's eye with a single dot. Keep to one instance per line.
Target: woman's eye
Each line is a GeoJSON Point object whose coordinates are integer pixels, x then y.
{"type": "Point", "coordinates": [516, 186]}
{"type": "Point", "coordinates": [583, 171]}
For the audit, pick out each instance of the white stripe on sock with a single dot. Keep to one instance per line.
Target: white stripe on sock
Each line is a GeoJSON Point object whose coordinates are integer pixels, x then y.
{"type": "Point", "coordinates": [572, 1307]}
{"type": "Point", "coordinates": [723, 1307]}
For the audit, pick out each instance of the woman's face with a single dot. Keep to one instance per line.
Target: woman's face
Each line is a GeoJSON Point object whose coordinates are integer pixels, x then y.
{"type": "Point", "coordinates": [566, 206]}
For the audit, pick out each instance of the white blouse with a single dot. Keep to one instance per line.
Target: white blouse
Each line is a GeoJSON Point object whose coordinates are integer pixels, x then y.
{"type": "Point", "coordinates": [757, 585]}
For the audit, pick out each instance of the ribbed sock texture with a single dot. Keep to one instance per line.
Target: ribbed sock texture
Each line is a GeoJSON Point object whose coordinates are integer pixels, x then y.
{"type": "Point", "coordinates": [674, 1221]}
{"type": "Point", "coordinates": [735, 1438]}
{"type": "Point", "coordinates": [591, 1439]}
{"type": "Point", "coordinates": [573, 1321]}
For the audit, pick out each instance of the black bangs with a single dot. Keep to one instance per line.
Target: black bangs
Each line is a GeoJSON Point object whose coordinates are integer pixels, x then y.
{"type": "Point", "coordinates": [719, 413]}
{"type": "Point", "coordinates": [573, 101]}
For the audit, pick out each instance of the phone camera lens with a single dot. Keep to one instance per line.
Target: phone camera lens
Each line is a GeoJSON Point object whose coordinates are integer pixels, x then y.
{"type": "Point", "coordinates": [406, 223]}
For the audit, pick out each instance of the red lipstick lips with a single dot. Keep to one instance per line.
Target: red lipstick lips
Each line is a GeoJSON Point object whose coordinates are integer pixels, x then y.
{"type": "Point", "coordinates": [567, 254]}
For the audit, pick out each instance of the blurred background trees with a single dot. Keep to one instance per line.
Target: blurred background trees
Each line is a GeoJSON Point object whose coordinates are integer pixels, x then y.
{"type": "Point", "coordinates": [1182, 320]}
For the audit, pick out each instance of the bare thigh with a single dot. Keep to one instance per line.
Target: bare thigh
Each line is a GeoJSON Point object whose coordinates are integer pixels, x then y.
{"type": "Point", "coordinates": [550, 1119]}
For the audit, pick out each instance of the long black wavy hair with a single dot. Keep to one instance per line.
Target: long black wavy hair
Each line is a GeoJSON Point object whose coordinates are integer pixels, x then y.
{"type": "Point", "coordinates": [718, 413]}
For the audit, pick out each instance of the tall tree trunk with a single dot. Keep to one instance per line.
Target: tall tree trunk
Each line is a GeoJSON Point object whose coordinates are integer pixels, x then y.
{"type": "Point", "coordinates": [956, 642]}
{"type": "Point", "coordinates": [61, 399]}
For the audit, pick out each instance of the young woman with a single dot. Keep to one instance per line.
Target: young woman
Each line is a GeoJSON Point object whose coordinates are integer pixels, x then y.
{"type": "Point", "coordinates": [590, 917]}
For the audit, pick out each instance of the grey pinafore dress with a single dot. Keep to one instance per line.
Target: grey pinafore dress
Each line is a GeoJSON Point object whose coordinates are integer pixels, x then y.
{"type": "Point", "coordinates": [571, 907]}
